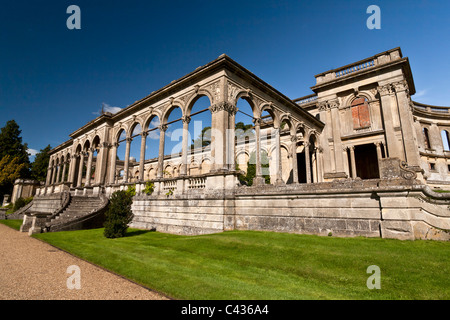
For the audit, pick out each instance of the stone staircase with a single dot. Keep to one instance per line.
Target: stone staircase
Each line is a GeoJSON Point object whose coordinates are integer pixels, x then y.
{"type": "Point", "coordinates": [82, 212]}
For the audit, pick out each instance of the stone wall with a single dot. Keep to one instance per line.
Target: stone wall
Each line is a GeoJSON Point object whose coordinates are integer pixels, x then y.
{"type": "Point", "coordinates": [396, 208]}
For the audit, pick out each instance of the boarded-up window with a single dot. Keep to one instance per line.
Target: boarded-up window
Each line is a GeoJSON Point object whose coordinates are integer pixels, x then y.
{"type": "Point", "coordinates": [360, 113]}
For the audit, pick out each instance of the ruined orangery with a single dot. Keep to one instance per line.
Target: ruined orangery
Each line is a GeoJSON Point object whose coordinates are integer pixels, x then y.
{"type": "Point", "coordinates": [355, 157]}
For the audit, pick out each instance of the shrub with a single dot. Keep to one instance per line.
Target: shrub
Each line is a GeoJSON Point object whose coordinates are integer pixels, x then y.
{"type": "Point", "coordinates": [118, 215]}
{"type": "Point", "coordinates": [149, 188]}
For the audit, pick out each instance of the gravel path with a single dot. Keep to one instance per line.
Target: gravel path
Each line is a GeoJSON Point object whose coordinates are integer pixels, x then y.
{"type": "Point", "coordinates": [33, 270]}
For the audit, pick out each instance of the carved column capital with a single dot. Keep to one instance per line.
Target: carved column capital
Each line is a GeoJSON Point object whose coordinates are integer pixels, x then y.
{"type": "Point", "coordinates": [223, 106]}
{"type": "Point", "coordinates": [385, 90]}
{"type": "Point", "coordinates": [186, 119]}
{"type": "Point", "coordinates": [257, 121]}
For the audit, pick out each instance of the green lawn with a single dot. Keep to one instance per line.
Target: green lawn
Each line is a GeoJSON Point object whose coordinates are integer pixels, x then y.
{"type": "Point", "coordinates": [15, 224]}
{"type": "Point", "coordinates": [267, 265]}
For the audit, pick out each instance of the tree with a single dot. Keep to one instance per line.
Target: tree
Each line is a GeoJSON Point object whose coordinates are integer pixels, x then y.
{"type": "Point", "coordinates": [10, 169]}
{"type": "Point", "coordinates": [40, 165]}
{"type": "Point", "coordinates": [204, 139]}
{"type": "Point", "coordinates": [247, 179]}
{"type": "Point", "coordinates": [119, 214]}
{"type": "Point", "coordinates": [11, 144]}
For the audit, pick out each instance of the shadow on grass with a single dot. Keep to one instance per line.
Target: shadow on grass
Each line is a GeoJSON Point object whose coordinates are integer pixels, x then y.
{"type": "Point", "coordinates": [137, 232]}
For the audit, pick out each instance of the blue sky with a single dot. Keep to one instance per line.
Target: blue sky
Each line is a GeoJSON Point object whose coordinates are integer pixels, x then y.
{"type": "Point", "coordinates": [54, 80]}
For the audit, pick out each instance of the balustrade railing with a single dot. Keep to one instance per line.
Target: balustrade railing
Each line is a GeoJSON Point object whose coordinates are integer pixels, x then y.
{"type": "Point", "coordinates": [354, 68]}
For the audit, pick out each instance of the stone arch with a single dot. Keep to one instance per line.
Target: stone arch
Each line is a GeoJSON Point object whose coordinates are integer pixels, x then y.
{"type": "Point", "coordinates": [191, 102]}
{"type": "Point", "coordinates": [271, 110]}
{"type": "Point", "coordinates": [150, 118]}
{"type": "Point", "coordinates": [245, 95]}
{"type": "Point", "coordinates": [119, 132]}
{"type": "Point", "coordinates": [168, 110]}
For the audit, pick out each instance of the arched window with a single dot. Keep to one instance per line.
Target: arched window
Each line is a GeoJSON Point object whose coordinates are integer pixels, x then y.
{"type": "Point", "coordinates": [445, 140]}
{"type": "Point", "coordinates": [426, 138]}
{"type": "Point", "coordinates": [360, 113]}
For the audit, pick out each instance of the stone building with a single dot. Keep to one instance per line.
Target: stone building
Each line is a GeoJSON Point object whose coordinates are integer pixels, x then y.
{"type": "Point", "coordinates": [356, 157]}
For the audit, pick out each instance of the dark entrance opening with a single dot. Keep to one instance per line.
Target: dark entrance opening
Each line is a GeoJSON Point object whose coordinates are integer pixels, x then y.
{"type": "Point", "coordinates": [366, 161]}
{"type": "Point", "coordinates": [301, 167]}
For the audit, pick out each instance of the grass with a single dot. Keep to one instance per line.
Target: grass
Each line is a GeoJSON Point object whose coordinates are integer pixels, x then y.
{"type": "Point", "coordinates": [266, 265]}
{"type": "Point", "coordinates": [15, 224]}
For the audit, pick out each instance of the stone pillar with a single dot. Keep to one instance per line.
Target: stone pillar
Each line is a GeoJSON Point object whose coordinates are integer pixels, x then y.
{"type": "Point", "coordinates": [112, 167]}
{"type": "Point", "coordinates": [319, 160]}
{"type": "Point", "coordinates": [352, 160]}
{"type": "Point", "coordinates": [142, 155]}
{"type": "Point", "coordinates": [336, 129]}
{"type": "Point", "coordinates": [278, 155]}
{"type": "Point", "coordinates": [89, 167]}
{"type": "Point", "coordinates": [379, 154]}
{"type": "Point", "coordinates": [307, 161]}
{"type": "Point", "coordinates": [127, 159]}
{"type": "Point", "coordinates": [294, 159]}
{"type": "Point", "coordinates": [394, 148]}
{"type": "Point", "coordinates": [231, 144]}
{"type": "Point", "coordinates": [49, 175]}
{"type": "Point", "coordinates": [184, 151]}
{"type": "Point", "coordinates": [406, 120]}
{"type": "Point", "coordinates": [72, 168]}
{"type": "Point", "coordinates": [54, 170]}
{"type": "Point", "coordinates": [80, 169]}
{"type": "Point", "coordinates": [220, 113]}
{"type": "Point", "coordinates": [347, 165]}
{"type": "Point", "coordinates": [162, 133]}
{"type": "Point", "coordinates": [58, 174]}
{"type": "Point", "coordinates": [64, 171]}
{"type": "Point", "coordinates": [258, 180]}
{"type": "Point", "coordinates": [100, 164]}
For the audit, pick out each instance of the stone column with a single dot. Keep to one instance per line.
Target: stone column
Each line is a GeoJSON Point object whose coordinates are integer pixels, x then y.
{"type": "Point", "coordinates": [100, 165]}
{"type": "Point", "coordinates": [127, 159]}
{"type": "Point", "coordinates": [54, 171]}
{"type": "Point", "coordinates": [220, 112]}
{"type": "Point", "coordinates": [162, 133]}
{"type": "Point", "coordinates": [89, 167]}
{"type": "Point", "coordinates": [352, 160]}
{"type": "Point", "coordinates": [142, 155]}
{"type": "Point", "coordinates": [278, 154]}
{"type": "Point", "coordinates": [184, 151]}
{"type": "Point", "coordinates": [258, 180]}
{"type": "Point", "coordinates": [112, 167]}
{"type": "Point", "coordinates": [379, 154]}
{"type": "Point", "coordinates": [49, 175]}
{"type": "Point", "coordinates": [72, 168]}
{"type": "Point", "coordinates": [314, 166]}
{"type": "Point", "coordinates": [294, 159]}
{"type": "Point", "coordinates": [406, 120]}
{"type": "Point", "coordinates": [231, 144]}
{"type": "Point", "coordinates": [347, 165]}
{"type": "Point", "coordinates": [58, 174]}
{"type": "Point", "coordinates": [394, 148]}
{"type": "Point", "coordinates": [80, 169]}
{"type": "Point", "coordinates": [307, 161]}
{"type": "Point", "coordinates": [64, 171]}
{"type": "Point", "coordinates": [336, 129]}
{"type": "Point", "coordinates": [319, 155]}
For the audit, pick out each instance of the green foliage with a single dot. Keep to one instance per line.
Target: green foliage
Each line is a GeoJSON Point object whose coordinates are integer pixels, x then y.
{"type": "Point", "coordinates": [131, 190]}
{"type": "Point", "coordinates": [10, 169]}
{"type": "Point", "coordinates": [149, 188]}
{"type": "Point", "coordinates": [118, 215]}
{"type": "Point", "coordinates": [203, 140]}
{"type": "Point", "coordinates": [21, 202]}
{"type": "Point", "coordinates": [40, 164]}
{"type": "Point", "coordinates": [11, 144]}
{"type": "Point", "coordinates": [247, 179]}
